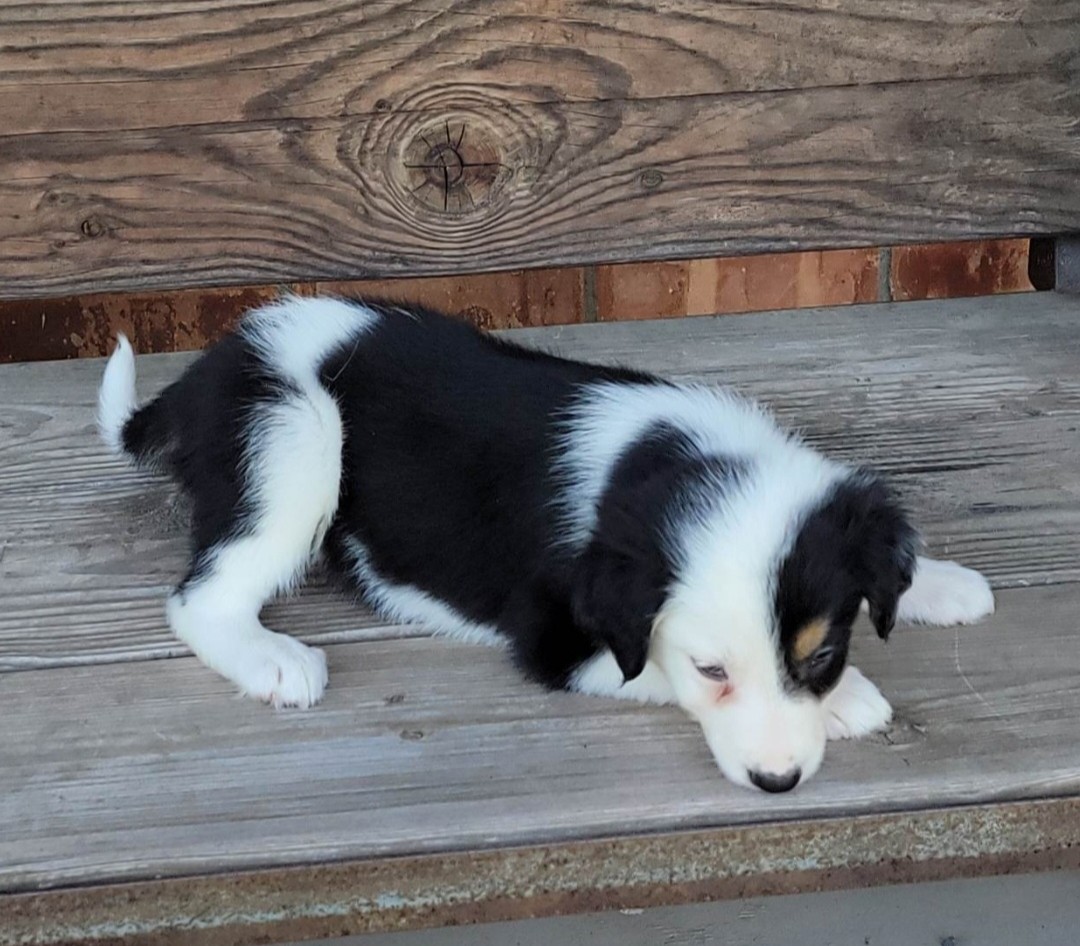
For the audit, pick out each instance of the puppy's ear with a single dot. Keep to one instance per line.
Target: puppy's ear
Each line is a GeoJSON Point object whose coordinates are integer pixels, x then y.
{"type": "Point", "coordinates": [618, 586]}
{"type": "Point", "coordinates": [881, 546]}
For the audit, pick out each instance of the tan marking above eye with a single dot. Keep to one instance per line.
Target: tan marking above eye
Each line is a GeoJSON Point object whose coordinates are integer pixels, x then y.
{"type": "Point", "coordinates": [809, 638]}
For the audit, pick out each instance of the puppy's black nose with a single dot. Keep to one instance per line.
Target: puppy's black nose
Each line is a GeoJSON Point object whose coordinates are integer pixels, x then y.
{"type": "Point", "coordinates": [768, 782]}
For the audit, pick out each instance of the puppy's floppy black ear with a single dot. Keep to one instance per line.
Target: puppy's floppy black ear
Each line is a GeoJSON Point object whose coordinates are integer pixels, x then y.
{"type": "Point", "coordinates": [618, 586]}
{"type": "Point", "coordinates": [881, 545]}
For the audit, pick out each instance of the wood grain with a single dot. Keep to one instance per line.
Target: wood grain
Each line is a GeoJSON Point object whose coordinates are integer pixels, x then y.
{"type": "Point", "coordinates": [222, 62]}
{"type": "Point", "coordinates": [426, 745]}
{"type": "Point", "coordinates": [90, 547]}
{"type": "Point", "coordinates": [972, 406]}
{"type": "Point", "coordinates": [215, 142]}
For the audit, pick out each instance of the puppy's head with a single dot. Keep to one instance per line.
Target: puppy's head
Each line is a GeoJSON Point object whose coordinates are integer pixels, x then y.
{"type": "Point", "coordinates": [751, 620]}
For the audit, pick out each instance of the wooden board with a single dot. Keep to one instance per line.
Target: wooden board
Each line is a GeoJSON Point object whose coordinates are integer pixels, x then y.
{"type": "Point", "coordinates": [433, 785]}
{"type": "Point", "coordinates": [973, 406]}
{"type": "Point", "coordinates": [132, 771]}
{"type": "Point", "coordinates": [219, 142]}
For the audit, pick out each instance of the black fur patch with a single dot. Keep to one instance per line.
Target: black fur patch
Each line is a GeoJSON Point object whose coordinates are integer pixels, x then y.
{"type": "Point", "coordinates": [858, 544]}
{"type": "Point", "coordinates": [197, 431]}
{"type": "Point", "coordinates": [450, 488]}
{"type": "Point", "coordinates": [622, 579]}
{"type": "Point", "coordinates": [449, 485]}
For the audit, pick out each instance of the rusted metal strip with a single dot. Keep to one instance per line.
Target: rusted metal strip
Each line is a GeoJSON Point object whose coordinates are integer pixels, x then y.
{"type": "Point", "coordinates": [308, 902]}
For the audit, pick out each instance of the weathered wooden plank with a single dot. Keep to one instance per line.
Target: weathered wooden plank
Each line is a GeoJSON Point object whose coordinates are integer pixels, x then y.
{"type": "Point", "coordinates": [972, 405]}
{"type": "Point", "coordinates": [224, 62]}
{"type": "Point", "coordinates": [217, 143]}
{"type": "Point", "coordinates": [114, 772]}
{"type": "Point", "coordinates": [89, 547]}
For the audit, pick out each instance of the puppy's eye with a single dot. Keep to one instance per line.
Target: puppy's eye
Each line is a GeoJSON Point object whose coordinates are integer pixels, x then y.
{"type": "Point", "coordinates": [821, 658]}
{"type": "Point", "coordinates": [713, 672]}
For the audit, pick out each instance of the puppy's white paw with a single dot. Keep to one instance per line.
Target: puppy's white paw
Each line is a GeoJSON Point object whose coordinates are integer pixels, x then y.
{"type": "Point", "coordinates": [945, 593]}
{"type": "Point", "coordinates": [279, 670]}
{"type": "Point", "coordinates": [855, 707]}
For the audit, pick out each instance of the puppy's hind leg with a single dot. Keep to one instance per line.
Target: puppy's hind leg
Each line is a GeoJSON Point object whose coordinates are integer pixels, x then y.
{"type": "Point", "coordinates": [257, 528]}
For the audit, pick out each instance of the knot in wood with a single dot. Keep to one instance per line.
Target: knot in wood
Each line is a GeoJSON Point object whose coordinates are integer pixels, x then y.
{"type": "Point", "coordinates": [92, 227]}
{"type": "Point", "coordinates": [452, 167]}
{"type": "Point", "coordinates": [445, 166]}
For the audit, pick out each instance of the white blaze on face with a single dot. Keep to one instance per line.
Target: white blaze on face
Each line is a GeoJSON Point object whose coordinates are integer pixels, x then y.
{"type": "Point", "coordinates": [755, 727]}
{"type": "Point", "coordinates": [721, 611]}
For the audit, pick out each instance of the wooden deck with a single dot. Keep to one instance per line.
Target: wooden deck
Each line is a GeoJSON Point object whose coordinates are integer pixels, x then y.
{"type": "Point", "coordinates": [432, 784]}
{"type": "Point", "coordinates": [216, 142]}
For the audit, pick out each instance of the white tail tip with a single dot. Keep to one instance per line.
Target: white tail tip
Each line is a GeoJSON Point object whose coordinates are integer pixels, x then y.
{"type": "Point", "coordinates": [116, 396]}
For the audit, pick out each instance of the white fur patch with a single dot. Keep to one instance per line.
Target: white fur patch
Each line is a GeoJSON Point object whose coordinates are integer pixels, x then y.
{"type": "Point", "coordinates": [292, 470]}
{"type": "Point", "coordinates": [608, 418]}
{"type": "Point", "coordinates": [407, 604]}
{"type": "Point", "coordinates": [265, 665]}
{"type": "Point", "coordinates": [296, 334]}
{"type": "Point", "coordinates": [945, 593]}
{"type": "Point", "coordinates": [752, 724]}
{"type": "Point", "coordinates": [294, 474]}
{"type": "Point", "coordinates": [601, 676]}
{"type": "Point", "coordinates": [854, 707]}
{"type": "Point", "coordinates": [116, 397]}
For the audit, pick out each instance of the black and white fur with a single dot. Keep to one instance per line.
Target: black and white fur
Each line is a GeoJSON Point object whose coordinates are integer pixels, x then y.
{"type": "Point", "coordinates": [627, 536]}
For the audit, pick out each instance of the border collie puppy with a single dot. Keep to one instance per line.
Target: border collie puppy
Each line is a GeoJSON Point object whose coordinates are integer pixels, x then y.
{"type": "Point", "coordinates": [624, 535]}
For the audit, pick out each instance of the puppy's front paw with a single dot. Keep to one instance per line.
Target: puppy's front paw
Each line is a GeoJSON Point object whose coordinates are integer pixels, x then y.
{"type": "Point", "coordinates": [855, 707]}
{"type": "Point", "coordinates": [279, 670]}
{"type": "Point", "coordinates": [945, 593]}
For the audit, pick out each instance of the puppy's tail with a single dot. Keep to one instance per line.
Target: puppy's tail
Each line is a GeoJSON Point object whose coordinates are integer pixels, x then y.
{"type": "Point", "coordinates": [116, 396]}
{"type": "Point", "coordinates": [126, 428]}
